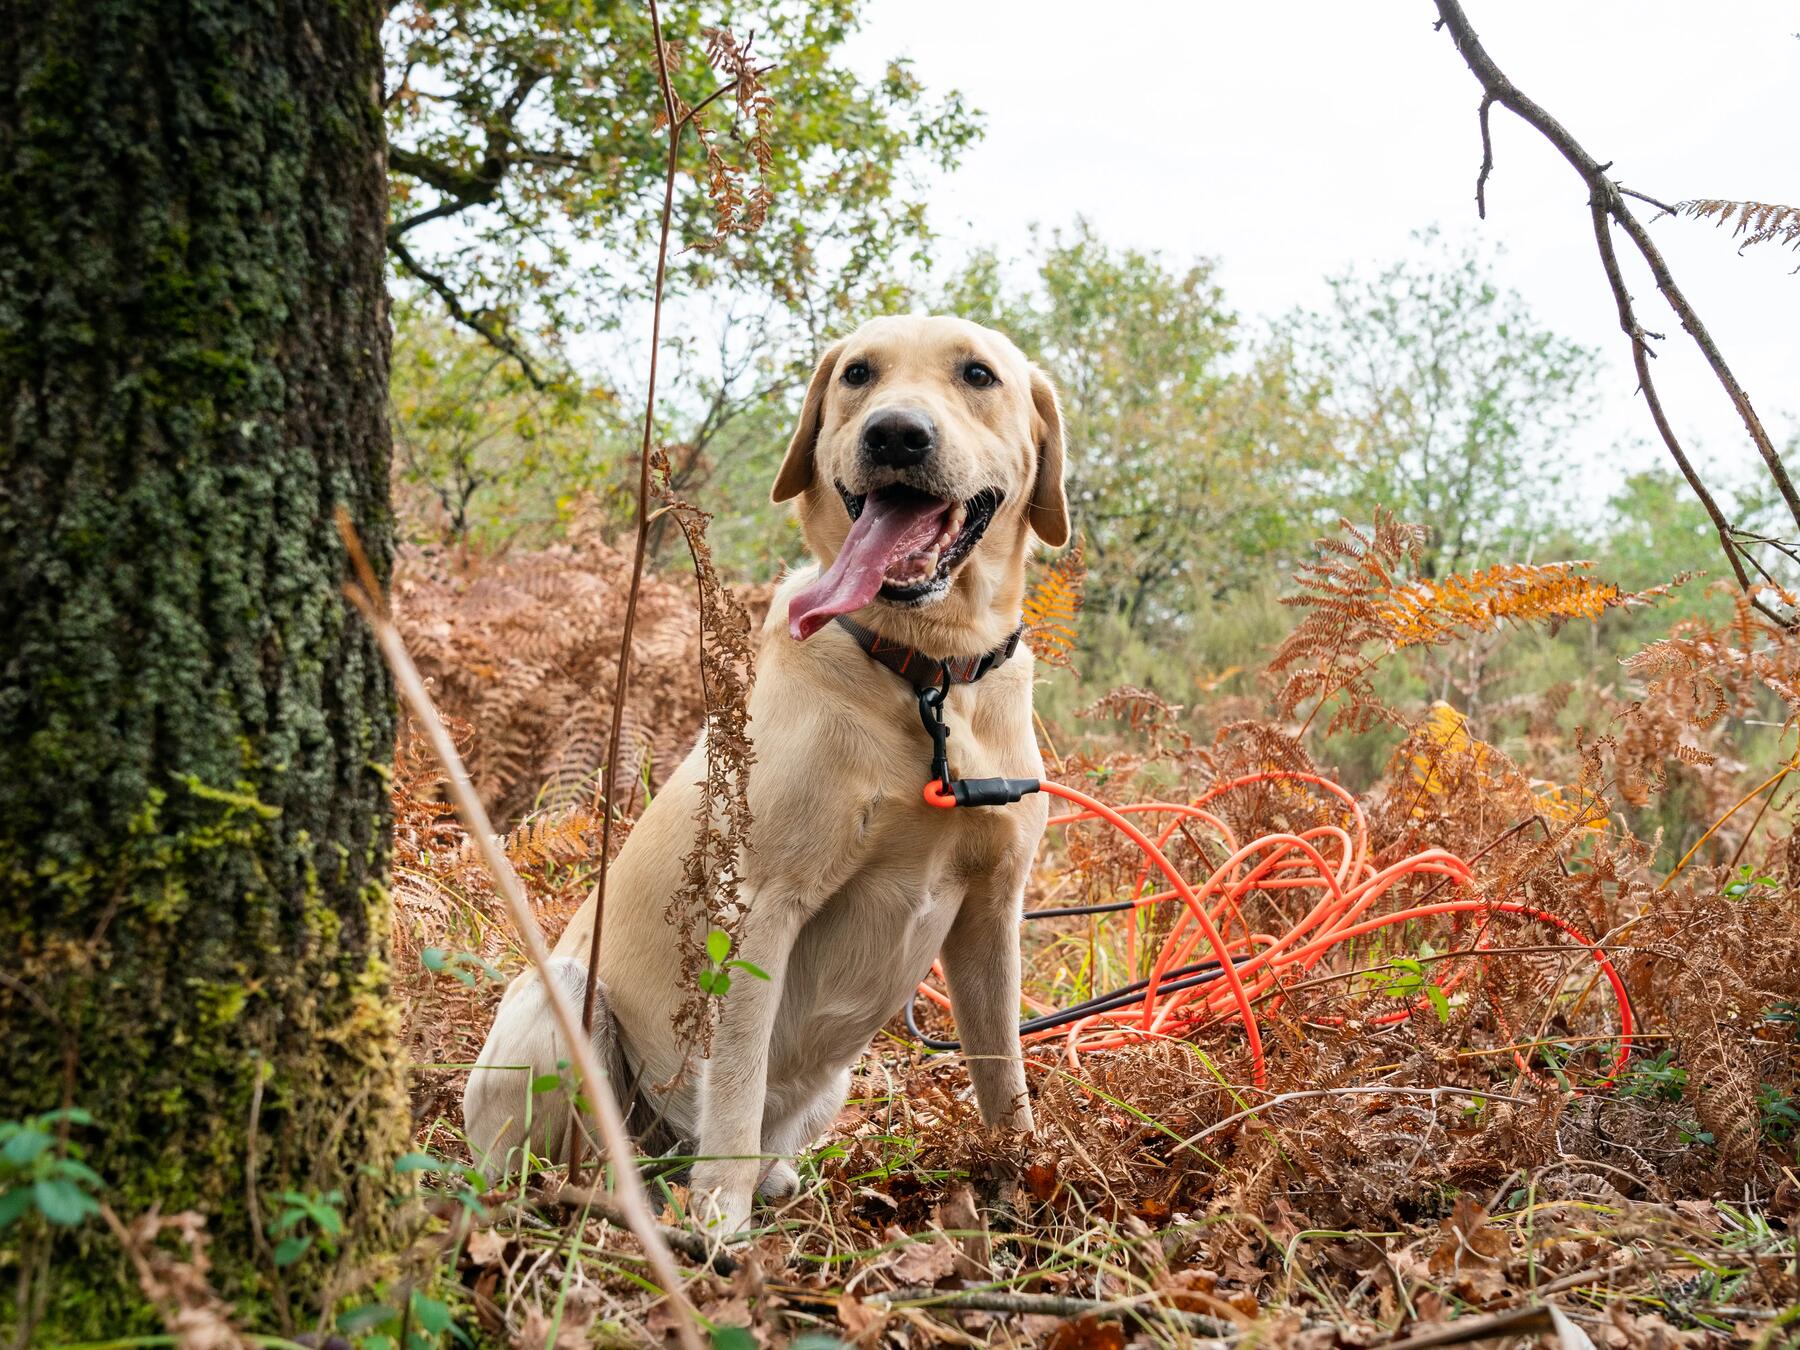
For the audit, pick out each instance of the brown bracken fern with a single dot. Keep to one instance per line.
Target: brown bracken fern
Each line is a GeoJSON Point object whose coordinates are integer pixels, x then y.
{"type": "Point", "coordinates": [713, 870]}
{"type": "Point", "coordinates": [1751, 222]}
{"type": "Point", "coordinates": [1358, 596]}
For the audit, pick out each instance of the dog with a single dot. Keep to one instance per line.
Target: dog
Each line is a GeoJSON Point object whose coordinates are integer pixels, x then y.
{"type": "Point", "coordinates": [929, 452]}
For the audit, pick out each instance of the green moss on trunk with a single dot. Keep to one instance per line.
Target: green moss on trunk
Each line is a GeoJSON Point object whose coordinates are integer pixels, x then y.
{"type": "Point", "coordinates": [194, 728]}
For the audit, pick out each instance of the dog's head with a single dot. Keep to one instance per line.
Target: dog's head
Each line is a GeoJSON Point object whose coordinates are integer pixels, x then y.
{"type": "Point", "coordinates": [928, 449]}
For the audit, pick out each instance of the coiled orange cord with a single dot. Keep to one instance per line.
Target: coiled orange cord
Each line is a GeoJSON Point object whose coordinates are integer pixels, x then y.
{"type": "Point", "coordinates": [1258, 967]}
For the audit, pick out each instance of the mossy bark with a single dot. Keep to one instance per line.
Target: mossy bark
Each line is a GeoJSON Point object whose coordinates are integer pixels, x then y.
{"type": "Point", "coordinates": [194, 729]}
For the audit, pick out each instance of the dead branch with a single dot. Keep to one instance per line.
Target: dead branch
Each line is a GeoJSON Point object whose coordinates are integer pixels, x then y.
{"type": "Point", "coordinates": [1608, 207]}
{"type": "Point", "coordinates": [688, 1243]}
{"type": "Point", "coordinates": [1370, 1090]}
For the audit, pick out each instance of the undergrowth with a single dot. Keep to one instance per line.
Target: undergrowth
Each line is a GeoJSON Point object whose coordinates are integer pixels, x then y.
{"type": "Point", "coordinates": [1463, 1161]}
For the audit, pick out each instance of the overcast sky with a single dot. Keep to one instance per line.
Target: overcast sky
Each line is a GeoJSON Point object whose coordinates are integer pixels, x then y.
{"type": "Point", "coordinates": [1292, 140]}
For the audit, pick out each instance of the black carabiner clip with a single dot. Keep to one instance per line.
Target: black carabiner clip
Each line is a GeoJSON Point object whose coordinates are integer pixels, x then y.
{"type": "Point", "coordinates": [931, 717]}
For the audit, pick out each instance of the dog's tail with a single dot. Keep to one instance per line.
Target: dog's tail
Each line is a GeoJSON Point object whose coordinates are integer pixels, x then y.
{"type": "Point", "coordinates": [519, 1101]}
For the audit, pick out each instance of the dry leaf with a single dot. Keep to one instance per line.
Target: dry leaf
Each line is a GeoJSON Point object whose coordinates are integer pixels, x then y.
{"type": "Point", "coordinates": [921, 1263]}
{"type": "Point", "coordinates": [484, 1247]}
{"type": "Point", "coordinates": [1087, 1333]}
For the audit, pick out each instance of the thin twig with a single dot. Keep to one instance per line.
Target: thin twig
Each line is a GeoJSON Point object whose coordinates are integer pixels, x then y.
{"type": "Point", "coordinates": [475, 321]}
{"type": "Point", "coordinates": [596, 1091]}
{"type": "Point", "coordinates": [253, 1205]}
{"type": "Point", "coordinates": [622, 680]}
{"type": "Point", "coordinates": [1056, 1305]}
{"type": "Point", "coordinates": [685, 1241]}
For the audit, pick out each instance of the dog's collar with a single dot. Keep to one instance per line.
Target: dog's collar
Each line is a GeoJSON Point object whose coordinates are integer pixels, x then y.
{"type": "Point", "coordinates": [928, 672]}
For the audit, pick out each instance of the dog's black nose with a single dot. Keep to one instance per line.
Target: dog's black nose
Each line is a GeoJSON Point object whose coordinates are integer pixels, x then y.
{"type": "Point", "coordinates": [898, 438]}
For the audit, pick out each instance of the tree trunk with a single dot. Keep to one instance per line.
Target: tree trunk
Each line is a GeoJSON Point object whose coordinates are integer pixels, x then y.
{"type": "Point", "coordinates": [195, 731]}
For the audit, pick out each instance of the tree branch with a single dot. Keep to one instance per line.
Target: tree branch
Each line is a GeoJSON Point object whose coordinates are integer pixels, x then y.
{"type": "Point", "coordinates": [447, 178]}
{"type": "Point", "coordinates": [475, 322]}
{"type": "Point", "coordinates": [1607, 203]}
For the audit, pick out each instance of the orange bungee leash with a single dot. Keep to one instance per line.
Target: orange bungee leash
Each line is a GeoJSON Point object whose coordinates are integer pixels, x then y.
{"type": "Point", "coordinates": [1189, 987]}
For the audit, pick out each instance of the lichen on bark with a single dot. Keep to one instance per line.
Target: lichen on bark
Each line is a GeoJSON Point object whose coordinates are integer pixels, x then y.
{"type": "Point", "coordinates": [194, 728]}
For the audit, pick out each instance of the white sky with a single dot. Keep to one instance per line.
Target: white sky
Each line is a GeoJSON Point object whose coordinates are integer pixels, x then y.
{"type": "Point", "coordinates": [1292, 140]}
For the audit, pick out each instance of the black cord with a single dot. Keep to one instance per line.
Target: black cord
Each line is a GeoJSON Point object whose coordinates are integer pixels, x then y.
{"type": "Point", "coordinates": [1186, 977]}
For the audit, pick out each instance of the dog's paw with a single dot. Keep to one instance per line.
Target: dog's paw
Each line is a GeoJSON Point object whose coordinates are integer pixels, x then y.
{"type": "Point", "coordinates": [719, 1205]}
{"type": "Point", "coordinates": [781, 1182]}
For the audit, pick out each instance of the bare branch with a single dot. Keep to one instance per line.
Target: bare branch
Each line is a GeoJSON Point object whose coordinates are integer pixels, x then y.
{"type": "Point", "coordinates": [446, 178]}
{"type": "Point", "coordinates": [1607, 203]}
{"type": "Point", "coordinates": [475, 322]}
{"type": "Point", "coordinates": [1487, 155]}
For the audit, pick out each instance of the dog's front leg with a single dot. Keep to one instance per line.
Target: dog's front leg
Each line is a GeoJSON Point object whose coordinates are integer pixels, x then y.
{"type": "Point", "coordinates": [735, 1075]}
{"type": "Point", "coordinates": [981, 966]}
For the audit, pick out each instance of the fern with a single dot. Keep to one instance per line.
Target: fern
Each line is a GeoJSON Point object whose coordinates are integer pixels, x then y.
{"type": "Point", "coordinates": [1433, 611]}
{"type": "Point", "coordinates": [524, 652]}
{"type": "Point", "coordinates": [1755, 222]}
{"type": "Point", "coordinates": [1360, 596]}
{"type": "Point", "coordinates": [1342, 590]}
{"type": "Point", "coordinates": [1051, 607]}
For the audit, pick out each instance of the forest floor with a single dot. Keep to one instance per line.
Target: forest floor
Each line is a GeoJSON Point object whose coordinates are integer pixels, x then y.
{"type": "Point", "coordinates": [1440, 1150]}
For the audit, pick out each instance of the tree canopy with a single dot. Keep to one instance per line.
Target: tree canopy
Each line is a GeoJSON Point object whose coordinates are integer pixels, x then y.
{"type": "Point", "coordinates": [526, 163]}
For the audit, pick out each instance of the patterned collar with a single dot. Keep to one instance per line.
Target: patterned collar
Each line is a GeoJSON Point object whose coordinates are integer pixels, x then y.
{"type": "Point", "coordinates": [928, 672]}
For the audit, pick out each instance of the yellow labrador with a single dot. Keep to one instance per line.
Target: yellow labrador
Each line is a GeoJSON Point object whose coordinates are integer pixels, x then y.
{"type": "Point", "coordinates": [929, 450]}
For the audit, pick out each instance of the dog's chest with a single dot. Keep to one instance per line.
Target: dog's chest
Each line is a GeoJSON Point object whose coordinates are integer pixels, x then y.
{"type": "Point", "coordinates": [860, 956]}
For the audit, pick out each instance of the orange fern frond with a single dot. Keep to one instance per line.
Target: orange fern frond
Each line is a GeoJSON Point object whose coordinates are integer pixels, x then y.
{"type": "Point", "coordinates": [564, 837]}
{"type": "Point", "coordinates": [1431, 610]}
{"type": "Point", "coordinates": [1051, 607]}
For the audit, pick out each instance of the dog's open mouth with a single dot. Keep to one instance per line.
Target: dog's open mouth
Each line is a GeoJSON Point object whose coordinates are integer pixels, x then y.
{"type": "Point", "coordinates": [902, 547]}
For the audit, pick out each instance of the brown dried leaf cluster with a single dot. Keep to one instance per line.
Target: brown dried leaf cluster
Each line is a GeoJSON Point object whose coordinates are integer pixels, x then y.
{"type": "Point", "coordinates": [524, 647]}
{"type": "Point", "coordinates": [709, 897]}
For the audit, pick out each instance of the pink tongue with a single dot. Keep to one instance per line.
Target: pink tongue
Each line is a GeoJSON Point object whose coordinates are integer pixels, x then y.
{"type": "Point", "coordinates": [887, 530]}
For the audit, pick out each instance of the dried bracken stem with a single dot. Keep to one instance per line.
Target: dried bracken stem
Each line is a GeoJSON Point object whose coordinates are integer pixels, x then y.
{"type": "Point", "coordinates": [1607, 203]}
{"type": "Point", "coordinates": [1436, 1094]}
{"type": "Point", "coordinates": [708, 897]}
{"type": "Point", "coordinates": [676, 117]}
{"type": "Point", "coordinates": [603, 1107]}
{"type": "Point", "coordinates": [622, 682]}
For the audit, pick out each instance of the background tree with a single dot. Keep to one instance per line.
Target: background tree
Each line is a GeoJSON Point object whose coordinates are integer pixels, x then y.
{"type": "Point", "coordinates": [527, 163]}
{"type": "Point", "coordinates": [193, 819]}
{"type": "Point", "coordinates": [483, 457]}
{"type": "Point", "coordinates": [1194, 452]}
{"type": "Point", "coordinates": [1451, 400]}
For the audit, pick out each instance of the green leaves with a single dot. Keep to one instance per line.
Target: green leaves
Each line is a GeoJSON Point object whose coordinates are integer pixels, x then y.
{"type": "Point", "coordinates": [1745, 880]}
{"type": "Point", "coordinates": [467, 1183]}
{"type": "Point", "coordinates": [306, 1221]}
{"type": "Point", "coordinates": [42, 1172]}
{"type": "Point", "coordinates": [377, 1326]}
{"type": "Point", "coordinates": [542, 141]}
{"type": "Point", "coordinates": [715, 979]}
{"type": "Point", "coordinates": [1405, 978]}
{"type": "Point", "coordinates": [463, 967]}
{"type": "Point", "coordinates": [63, 1201]}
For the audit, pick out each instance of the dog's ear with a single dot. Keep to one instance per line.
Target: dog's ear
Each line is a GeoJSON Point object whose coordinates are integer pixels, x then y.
{"type": "Point", "coordinates": [1049, 513]}
{"type": "Point", "coordinates": [796, 472]}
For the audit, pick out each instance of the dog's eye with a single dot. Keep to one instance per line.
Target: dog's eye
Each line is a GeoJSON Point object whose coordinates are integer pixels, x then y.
{"type": "Point", "coordinates": [857, 374]}
{"type": "Point", "coordinates": [979, 375]}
